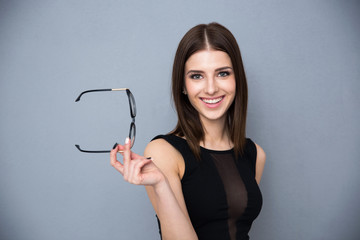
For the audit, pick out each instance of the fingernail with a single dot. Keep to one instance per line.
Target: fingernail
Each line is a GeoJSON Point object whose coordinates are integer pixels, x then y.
{"type": "Point", "coordinates": [115, 145]}
{"type": "Point", "coordinates": [127, 140]}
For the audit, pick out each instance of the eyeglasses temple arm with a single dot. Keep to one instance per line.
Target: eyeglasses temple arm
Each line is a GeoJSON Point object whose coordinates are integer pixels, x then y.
{"type": "Point", "coordinates": [95, 90]}
{"type": "Point", "coordinates": [81, 150]}
{"type": "Point", "coordinates": [100, 90]}
{"type": "Point", "coordinates": [119, 89]}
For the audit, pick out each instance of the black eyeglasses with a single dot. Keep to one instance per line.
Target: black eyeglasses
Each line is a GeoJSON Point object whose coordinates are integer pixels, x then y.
{"type": "Point", "coordinates": [132, 131]}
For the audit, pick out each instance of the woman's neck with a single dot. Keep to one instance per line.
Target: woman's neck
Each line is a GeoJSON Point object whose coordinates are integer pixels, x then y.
{"type": "Point", "coordinates": [216, 136]}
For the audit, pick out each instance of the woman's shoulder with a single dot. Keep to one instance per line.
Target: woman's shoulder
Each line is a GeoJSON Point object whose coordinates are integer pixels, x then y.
{"type": "Point", "coordinates": [159, 144]}
{"type": "Point", "coordinates": [254, 147]}
{"type": "Point", "coordinates": [167, 142]}
{"type": "Point", "coordinates": [258, 157]}
{"type": "Point", "coordinates": [254, 151]}
{"type": "Point", "coordinates": [164, 153]}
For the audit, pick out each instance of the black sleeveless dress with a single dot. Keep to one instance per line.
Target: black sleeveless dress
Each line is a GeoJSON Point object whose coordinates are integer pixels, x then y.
{"type": "Point", "coordinates": [221, 194]}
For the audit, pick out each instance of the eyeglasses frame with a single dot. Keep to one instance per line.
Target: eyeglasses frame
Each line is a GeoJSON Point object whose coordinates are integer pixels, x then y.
{"type": "Point", "coordinates": [132, 106]}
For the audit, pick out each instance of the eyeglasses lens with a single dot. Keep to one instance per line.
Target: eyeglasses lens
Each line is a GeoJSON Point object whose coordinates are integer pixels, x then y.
{"type": "Point", "coordinates": [132, 133]}
{"type": "Point", "coordinates": [132, 104]}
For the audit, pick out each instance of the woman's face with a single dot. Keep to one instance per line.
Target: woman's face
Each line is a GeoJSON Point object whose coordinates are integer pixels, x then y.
{"type": "Point", "coordinates": [210, 84]}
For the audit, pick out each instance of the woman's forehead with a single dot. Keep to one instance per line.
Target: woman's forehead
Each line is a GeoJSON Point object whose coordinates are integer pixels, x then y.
{"type": "Point", "coordinates": [208, 60]}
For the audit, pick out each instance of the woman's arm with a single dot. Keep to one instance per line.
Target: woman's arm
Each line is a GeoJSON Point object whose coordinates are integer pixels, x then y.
{"type": "Point", "coordinates": [161, 176]}
{"type": "Point", "coordinates": [260, 163]}
{"type": "Point", "coordinates": [167, 197]}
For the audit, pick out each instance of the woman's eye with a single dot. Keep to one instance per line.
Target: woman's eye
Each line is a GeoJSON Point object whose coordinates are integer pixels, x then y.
{"type": "Point", "coordinates": [224, 74]}
{"type": "Point", "coordinates": [195, 76]}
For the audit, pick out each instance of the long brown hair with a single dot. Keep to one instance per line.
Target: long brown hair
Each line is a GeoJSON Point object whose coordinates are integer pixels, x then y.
{"type": "Point", "coordinates": [217, 37]}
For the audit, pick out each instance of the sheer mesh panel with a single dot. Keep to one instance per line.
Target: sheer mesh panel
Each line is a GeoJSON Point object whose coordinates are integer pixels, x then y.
{"type": "Point", "coordinates": [236, 194]}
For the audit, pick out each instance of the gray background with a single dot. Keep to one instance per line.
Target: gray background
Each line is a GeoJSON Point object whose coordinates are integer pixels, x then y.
{"type": "Point", "coordinates": [302, 61]}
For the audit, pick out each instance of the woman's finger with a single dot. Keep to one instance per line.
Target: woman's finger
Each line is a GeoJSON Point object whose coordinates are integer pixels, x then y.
{"type": "Point", "coordinates": [135, 156]}
{"type": "Point", "coordinates": [120, 149]}
{"type": "Point", "coordinates": [132, 165]}
{"type": "Point", "coordinates": [135, 175]}
{"type": "Point", "coordinates": [126, 157]}
{"type": "Point", "coordinates": [114, 162]}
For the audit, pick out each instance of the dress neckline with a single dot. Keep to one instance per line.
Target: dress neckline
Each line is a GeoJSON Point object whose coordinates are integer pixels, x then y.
{"type": "Point", "coordinates": [210, 150]}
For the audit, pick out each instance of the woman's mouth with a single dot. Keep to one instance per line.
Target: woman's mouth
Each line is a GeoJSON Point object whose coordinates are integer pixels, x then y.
{"type": "Point", "coordinates": [212, 101]}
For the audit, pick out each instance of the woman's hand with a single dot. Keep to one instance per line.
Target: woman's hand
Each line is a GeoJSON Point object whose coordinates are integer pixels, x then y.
{"type": "Point", "coordinates": [135, 169]}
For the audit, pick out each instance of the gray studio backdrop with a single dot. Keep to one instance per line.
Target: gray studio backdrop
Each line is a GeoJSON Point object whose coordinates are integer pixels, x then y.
{"type": "Point", "coordinates": [302, 60]}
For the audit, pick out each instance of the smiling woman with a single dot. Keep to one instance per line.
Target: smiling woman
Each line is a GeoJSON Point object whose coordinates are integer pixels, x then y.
{"type": "Point", "coordinates": [202, 178]}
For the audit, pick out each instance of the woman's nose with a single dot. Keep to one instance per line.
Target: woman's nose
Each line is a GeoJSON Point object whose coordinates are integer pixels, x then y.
{"type": "Point", "coordinates": [211, 86]}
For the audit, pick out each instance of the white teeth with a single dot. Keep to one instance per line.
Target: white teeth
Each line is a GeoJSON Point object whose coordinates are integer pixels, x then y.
{"type": "Point", "coordinates": [212, 101]}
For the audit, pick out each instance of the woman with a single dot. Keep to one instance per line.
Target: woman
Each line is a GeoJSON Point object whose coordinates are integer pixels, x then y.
{"type": "Point", "coordinates": [202, 178]}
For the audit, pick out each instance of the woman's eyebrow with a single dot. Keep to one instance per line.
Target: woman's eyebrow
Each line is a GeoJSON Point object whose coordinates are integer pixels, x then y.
{"type": "Point", "coordinates": [194, 71]}
{"type": "Point", "coordinates": [216, 70]}
{"type": "Point", "coordinates": [223, 68]}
